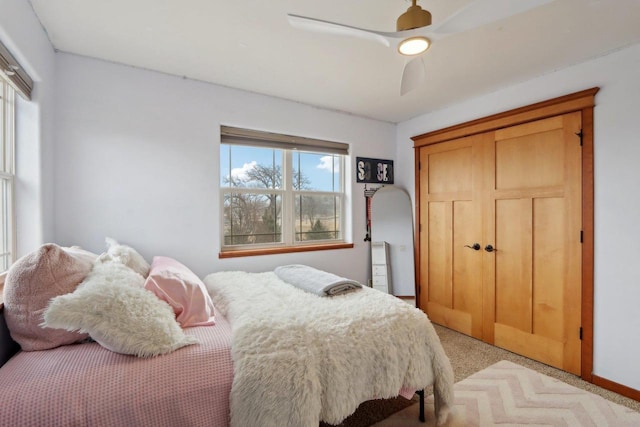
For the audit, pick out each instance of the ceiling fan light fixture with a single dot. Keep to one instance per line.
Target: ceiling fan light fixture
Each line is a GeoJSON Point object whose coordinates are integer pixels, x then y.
{"type": "Point", "coordinates": [414, 17]}
{"type": "Point", "coordinates": [414, 45]}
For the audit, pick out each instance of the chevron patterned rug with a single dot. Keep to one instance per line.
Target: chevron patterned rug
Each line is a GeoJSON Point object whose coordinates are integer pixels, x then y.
{"type": "Point", "coordinates": [507, 394]}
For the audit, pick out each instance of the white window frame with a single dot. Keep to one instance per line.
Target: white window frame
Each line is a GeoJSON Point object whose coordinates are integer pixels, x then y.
{"type": "Point", "coordinates": [288, 194]}
{"type": "Point", "coordinates": [7, 174]}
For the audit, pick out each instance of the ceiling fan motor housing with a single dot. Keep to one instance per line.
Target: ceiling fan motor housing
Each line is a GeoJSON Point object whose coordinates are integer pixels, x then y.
{"type": "Point", "coordinates": [414, 17]}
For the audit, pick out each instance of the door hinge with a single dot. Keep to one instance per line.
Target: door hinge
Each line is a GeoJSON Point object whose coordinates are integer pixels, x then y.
{"type": "Point", "coordinates": [581, 236]}
{"type": "Point", "coordinates": [419, 228]}
{"type": "Point", "coordinates": [580, 134]}
{"type": "Point", "coordinates": [419, 165]}
{"type": "Point", "coordinates": [580, 332]}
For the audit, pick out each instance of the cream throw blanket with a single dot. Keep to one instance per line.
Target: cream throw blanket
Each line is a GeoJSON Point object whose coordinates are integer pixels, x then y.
{"type": "Point", "coordinates": [299, 358]}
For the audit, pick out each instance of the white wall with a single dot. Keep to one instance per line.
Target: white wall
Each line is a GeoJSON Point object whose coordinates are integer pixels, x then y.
{"type": "Point", "coordinates": [137, 155]}
{"type": "Point", "coordinates": [21, 32]}
{"type": "Point", "coordinates": [617, 175]}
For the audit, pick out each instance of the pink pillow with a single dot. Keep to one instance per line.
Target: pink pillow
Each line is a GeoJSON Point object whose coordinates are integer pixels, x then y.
{"type": "Point", "coordinates": [182, 290]}
{"type": "Point", "coordinates": [31, 282]}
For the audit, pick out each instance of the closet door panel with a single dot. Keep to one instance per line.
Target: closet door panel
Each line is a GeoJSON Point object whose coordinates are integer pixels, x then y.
{"type": "Point", "coordinates": [513, 275]}
{"type": "Point", "coordinates": [529, 161]}
{"type": "Point", "coordinates": [467, 261]}
{"type": "Point", "coordinates": [450, 223]}
{"type": "Point", "coordinates": [536, 230]}
{"type": "Point", "coordinates": [439, 251]}
{"type": "Point", "coordinates": [548, 267]}
{"type": "Point", "coordinates": [450, 171]}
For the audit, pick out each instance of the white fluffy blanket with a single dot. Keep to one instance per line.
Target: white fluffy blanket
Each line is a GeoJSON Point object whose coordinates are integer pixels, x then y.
{"type": "Point", "coordinates": [299, 358]}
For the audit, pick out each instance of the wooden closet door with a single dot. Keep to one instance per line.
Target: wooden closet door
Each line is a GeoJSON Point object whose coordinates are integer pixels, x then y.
{"type": "Point", "coordinates": [531, 187]}
{"type": "Point", "coordinates": [532, 216]}
{"type": "Point", "coordinates": [517, 189]}
{"type": "Point", "coordinates": [451, 221]}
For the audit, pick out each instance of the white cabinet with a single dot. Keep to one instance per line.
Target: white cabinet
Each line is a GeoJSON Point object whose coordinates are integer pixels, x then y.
{"type": "Point", "coordinates": [381, 272]}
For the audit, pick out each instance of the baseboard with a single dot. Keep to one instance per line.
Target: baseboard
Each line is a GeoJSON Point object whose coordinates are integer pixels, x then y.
{"type": "Point", "coordinates": [623, 390]}
{"type": "Point", "coordinates": [405, 296]}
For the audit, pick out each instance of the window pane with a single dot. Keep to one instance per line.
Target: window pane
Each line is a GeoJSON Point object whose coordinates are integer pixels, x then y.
{"type": "Point", "coordinates": [7, 127]}
{"type": "Point", "coordinates": [7, 124]}
{"type": "Point", "coordinates": [317, 218]}
{"type": "Point", "coordinates": [3, 130]}
{"type": "Point", "coordinates": [250, 167]}
{"type": "Point", "coordinates": [5, 250]}
{"type": "Point", "coordinates": [316, 171]}
{"type": "Point", "coordinates": [252, 219]}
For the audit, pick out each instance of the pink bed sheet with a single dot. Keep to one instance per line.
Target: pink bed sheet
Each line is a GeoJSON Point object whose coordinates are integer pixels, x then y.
{"type": "Point", "coordinates": [87, 385]}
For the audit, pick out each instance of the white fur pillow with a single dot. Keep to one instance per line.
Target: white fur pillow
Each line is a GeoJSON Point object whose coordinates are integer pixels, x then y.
{"type": "Point", "coordinates": [115, 309]}
{"type": "Point", "coordinates": [125, 255]}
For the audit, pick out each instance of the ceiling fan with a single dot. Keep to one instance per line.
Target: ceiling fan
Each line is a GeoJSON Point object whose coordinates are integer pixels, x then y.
{"type": "Point", "coordinates": [415, 33]}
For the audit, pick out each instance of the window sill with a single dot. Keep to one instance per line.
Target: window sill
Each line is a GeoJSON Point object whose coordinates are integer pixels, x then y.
{"type": "Point", "coordinates": [289, 249]}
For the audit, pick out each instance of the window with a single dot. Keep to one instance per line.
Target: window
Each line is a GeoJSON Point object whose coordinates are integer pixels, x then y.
{"type": "Point", "coordinates": [280, 191]}
{"type": "Point", "coordinates": [13, 79]}
{"type": "Point", "coordinates": [7, 122]}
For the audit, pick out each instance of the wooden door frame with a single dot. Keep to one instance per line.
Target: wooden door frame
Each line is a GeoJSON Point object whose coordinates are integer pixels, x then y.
{"type": "Point", "coordinates": [584, 102]}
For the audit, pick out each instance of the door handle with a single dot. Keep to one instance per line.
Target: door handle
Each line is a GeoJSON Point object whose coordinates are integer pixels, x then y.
{"type": "Point", "coordinates": [490, 248]}
{"type": "Point", "coordinates": [475, 247]}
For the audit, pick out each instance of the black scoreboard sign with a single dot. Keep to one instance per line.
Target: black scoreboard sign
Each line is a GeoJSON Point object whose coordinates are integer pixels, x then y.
{"type": "Point", "coordinates": [374, 171]}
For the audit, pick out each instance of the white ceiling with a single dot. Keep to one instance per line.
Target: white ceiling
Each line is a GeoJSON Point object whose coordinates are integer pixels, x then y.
{"type": "Point", "coordinates": [250, 45]}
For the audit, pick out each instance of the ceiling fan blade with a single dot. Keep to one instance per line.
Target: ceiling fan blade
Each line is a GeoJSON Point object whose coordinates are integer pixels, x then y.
{"type": "Point", "coordinates": [320, 26]}
{"type": "Point", "coordinates": [413, 75]}
{"type": "Point", "coordinates": [481, 12]}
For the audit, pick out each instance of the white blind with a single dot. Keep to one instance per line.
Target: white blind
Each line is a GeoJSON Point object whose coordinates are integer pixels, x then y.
{"type": "Point", "coordinates": [256, 138]}
{"type": "Point", "coordinates": [14, 73]}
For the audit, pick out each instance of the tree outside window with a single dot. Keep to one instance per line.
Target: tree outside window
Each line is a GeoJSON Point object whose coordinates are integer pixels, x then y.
{"type": "Point", "coordinates": [276, 197]}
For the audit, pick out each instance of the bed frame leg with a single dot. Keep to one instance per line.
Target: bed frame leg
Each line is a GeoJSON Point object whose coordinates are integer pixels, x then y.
{"type": "Point", "coordinates": [421, 394]}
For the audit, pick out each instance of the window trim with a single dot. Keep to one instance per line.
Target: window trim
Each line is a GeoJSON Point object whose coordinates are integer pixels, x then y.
{"type": "Point", "coordinates": [283, 250]}
{"type": "Point", "coordinates": [287, 193]}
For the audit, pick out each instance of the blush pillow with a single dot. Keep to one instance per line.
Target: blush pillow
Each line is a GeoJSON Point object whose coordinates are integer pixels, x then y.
{"type": "Point", "coordinates": [175, 284]}
{"type": "Point", "coordinates": [31, 282]}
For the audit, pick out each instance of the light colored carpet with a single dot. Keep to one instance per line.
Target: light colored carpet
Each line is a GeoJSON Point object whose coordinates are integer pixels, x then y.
{"type": "Point", "coordinates": [510, 394]}
{"type": "Point", "coordinates": [507, 394]}
{"type": "Point", "coordinates": [469, 355]}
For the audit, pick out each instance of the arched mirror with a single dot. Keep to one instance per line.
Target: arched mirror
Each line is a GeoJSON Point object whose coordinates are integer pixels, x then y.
{"type": "Point", "coordinates": [392, 222]}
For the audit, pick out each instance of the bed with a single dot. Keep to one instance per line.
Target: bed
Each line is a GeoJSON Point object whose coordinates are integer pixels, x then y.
{"type": "Point", "coordinates": [88, 385]}
{"type": "Point", "coordinates": [263, 363]}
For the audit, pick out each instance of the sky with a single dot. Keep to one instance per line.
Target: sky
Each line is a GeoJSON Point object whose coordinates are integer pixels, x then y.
{"type": "Point", "coordinates": [317, 168]}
